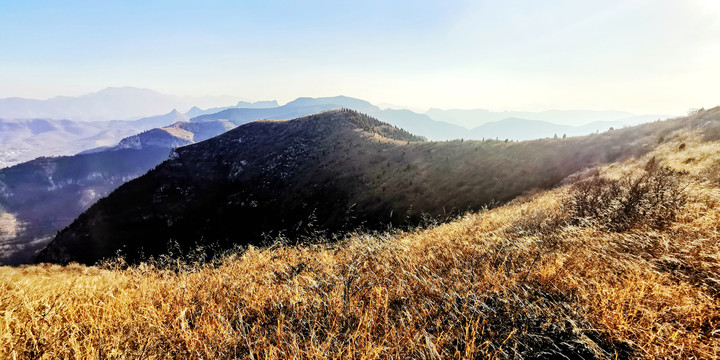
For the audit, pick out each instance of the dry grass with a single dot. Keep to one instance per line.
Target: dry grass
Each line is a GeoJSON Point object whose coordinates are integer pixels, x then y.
{"type": "Point", "coordinates": [524, 280]}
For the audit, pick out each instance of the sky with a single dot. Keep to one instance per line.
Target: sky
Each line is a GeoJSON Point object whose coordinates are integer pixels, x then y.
{"type": "Point", "coordinates": [642, 56]}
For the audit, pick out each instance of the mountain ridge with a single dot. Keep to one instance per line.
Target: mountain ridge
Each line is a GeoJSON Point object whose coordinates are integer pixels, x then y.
{"type": "Point", "coordinates": [415, 123]}
{"type": "Point", "coordinates": [113, 103]}
{"type": "Point", "coordinates": [471, 118]}
{"type": "Point", "coordinates": [322, 172]}
{"type": "Point", "coordinates": [196, 111]}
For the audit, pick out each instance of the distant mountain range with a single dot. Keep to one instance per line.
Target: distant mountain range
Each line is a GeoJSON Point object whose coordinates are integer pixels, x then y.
{"type": "Point", "coordinates": [335, 171]}
{"type": "Point", "coordinates": [523, 129]}
{"type": "Point", "coordinates": [435, 124]}
{"type": "Point", "coordinates": [24, 140]}
{"type": "Point", "coordinates": [477, 117]}
{"type": "Point", "coordinates": [450, 124]}
{"type": "Point", "coordinates": [196, 111]}
{"type": "Point", "coordinates": [413, 122]}
{"type": "Point", "coordinates": [122, 103]}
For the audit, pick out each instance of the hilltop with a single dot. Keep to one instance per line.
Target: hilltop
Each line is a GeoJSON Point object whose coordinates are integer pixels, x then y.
{"type": "Point", "coordinates": [332, 172]}
{"type": "Point", "coordinates": [620, 262]}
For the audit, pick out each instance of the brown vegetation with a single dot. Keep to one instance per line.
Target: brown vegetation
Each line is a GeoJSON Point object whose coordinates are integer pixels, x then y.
{"type": "Point", "coordinates": [651, 196]}
{"type": "Point", "coordinates": [541, 276]}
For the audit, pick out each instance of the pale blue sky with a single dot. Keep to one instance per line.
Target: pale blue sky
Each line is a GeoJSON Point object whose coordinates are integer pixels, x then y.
{"type": "Point", "coordinates": [636, 55]}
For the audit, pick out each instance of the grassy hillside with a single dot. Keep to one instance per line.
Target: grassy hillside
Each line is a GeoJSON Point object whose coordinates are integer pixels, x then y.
{"type": "Point", "coordinates": [335, 171]}
{"type": "Point", "coordinates": [635, 275]}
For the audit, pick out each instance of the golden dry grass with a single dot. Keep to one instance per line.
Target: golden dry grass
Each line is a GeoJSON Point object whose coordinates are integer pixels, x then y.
{"type": "Point", "coordinates": [515, 281]}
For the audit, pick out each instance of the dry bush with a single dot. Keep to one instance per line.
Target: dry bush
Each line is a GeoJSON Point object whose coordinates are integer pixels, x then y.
{"type": "Point", "coordinates": [651, 198]}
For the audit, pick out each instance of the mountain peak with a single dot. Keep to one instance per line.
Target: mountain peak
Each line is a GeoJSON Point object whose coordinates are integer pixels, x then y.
{"type": "Point", "coordinates": [340, 100]}
{"type": "Point", "coordinates": [363, 122]}
{"type": "Point", "coordinates": [257, 104]}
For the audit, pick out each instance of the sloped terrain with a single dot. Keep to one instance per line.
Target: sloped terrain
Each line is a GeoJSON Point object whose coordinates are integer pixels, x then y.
{"type": "Point", "coordinates": [333, 172]}
{"type": "Point", "coordinates": [42, 196]}
{"type": "Point", "coordinates": [543, 276]}
{"type": "Point", "coordinates": [178, 134]}
{"type": "Point", "coordinates": [46, 194]}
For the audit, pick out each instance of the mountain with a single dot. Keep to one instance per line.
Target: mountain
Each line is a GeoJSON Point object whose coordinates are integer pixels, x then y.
{"type": "Point", "coordinates": [179, 134]}
{"type": "Point", "coordinates": [40, 197]}
{"type": "Point", "coordinates": [334, 171]}
{"type": "Point", "coordinates": [619, 262]}
{"type": "Point", "coordinates": [524, 129]}
{"type": "Point", "coordinates": [23, 140]}
{"type": "Point", "coordinates": [342, 101]}
{"type": "Point", "coordinates": [435, 124]}
{"type": "Point", "coordinates": [239, 116]}
{"type": "Point", "coordinates": [120, 103]}
{"type": "Point", "coordinates": [196, 111]}
{"type": "Point", "coordinates": [520, 129]}
{"type": "Point", "coordinates": [419, 124]}
{"type": "Point", "coordinates": [413, 122]}
{"type": "Point", "coordinates": [475, 117]}
{"type": "Point", "coordinates": [158, 120]}
{"type": "Point", "coordinates": [449, 124]}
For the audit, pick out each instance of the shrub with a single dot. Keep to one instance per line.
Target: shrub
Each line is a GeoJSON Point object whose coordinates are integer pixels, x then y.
{"type": "Point", "coordinates": [651, 198]}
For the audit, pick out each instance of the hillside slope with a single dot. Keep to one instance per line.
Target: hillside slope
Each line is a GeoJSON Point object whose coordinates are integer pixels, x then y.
{"type": "Point", "coordinates": [178, 134]}
{"type": "Point", "coordinates": [42, 196]}
{"type": "Point", "coordinates": [544, 276]}
{"type": "Point", "coordinates": [327, 172]}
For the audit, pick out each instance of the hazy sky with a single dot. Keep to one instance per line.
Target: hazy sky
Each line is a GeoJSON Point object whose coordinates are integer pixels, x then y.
{"type": "Point", "coordinates": [641, 56]}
